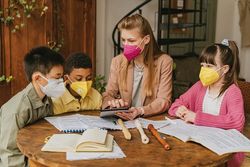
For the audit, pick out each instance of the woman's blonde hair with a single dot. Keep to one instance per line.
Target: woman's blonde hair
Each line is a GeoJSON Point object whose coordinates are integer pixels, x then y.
{"type": "Point", "coordinates": [229, 55]}
{"type": "Point", "coordinates": [151, 50]}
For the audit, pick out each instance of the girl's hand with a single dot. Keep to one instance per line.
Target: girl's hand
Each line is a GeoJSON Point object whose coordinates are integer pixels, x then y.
{"type": "Point", "coordinates": [131, 114]}
{"type": "Point", "coordinates": [117, 103]}
{"type": "Point", "coordinates": [190, 116]}
{"type": "Point", "coordinates": [181, 111]}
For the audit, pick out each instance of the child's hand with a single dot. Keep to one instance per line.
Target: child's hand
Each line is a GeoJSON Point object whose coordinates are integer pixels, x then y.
{"type": "Point", "coordinates": [181, 111]}
{"type": "Point", "coordinates": [190, 116]}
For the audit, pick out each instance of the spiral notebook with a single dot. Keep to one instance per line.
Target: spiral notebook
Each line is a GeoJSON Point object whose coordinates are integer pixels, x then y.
{"type": "Point", "coordinates": [68, 124]}
{"type": "Point", "coordinates": [78, 123]}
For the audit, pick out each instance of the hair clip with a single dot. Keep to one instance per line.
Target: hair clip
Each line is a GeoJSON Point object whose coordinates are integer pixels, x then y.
{"type": "Point", "coordinates": [225, 42]}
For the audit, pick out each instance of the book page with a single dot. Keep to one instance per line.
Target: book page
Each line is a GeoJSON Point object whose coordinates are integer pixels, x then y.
{"type": "Point", "coordinates": [223, 141]}
{"type": "Point", "coordinates": [157, 124]}
{"type": "Point", "coordinates": [96, 147]}
{"type": "Point", "coordinates": [179, 129]}
{"type": "Point", "coordinates": [217, 140]}
{"type": "Point", "coordinates": [94, 136]}
{"type": "Point", "coordinates": [61, 143]}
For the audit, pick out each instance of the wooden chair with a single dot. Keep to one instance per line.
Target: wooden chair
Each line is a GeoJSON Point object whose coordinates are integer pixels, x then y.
{"type": "Point", "coordinates": [245, 90]}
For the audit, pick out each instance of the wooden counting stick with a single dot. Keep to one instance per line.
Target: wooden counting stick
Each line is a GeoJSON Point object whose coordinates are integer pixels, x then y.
{"type": "Point", "coordinates": [158, 137]}
{"type": "Point", "coordinates": [125, 131]}
{"type": "Point", "coordinates": [144, 138]}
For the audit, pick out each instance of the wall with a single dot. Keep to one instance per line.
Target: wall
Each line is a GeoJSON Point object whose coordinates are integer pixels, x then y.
{"type": "Point", "coordinates": [228, 16]}
{"type": "Point", "coordinates": [109, 12]}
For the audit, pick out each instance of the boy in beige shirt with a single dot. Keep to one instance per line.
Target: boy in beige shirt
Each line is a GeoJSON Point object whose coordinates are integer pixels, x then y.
{"type": "Point", "coordinates": [44, 68]}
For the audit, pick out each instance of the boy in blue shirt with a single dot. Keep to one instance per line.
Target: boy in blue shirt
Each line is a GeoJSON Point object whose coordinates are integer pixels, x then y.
{"type": "Point", "coordinates": [44, 69]}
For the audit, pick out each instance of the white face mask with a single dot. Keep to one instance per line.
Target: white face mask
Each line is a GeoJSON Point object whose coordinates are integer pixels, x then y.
{"type": "Point", "coordinates": [55, 87]}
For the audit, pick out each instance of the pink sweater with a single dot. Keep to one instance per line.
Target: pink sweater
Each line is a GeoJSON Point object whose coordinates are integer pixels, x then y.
{"type": "Point", "coordinates": [231, 114]}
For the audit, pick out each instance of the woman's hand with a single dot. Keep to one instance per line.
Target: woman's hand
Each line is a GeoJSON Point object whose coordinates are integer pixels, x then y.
{"type": "Point", "coordinates": [117, 103]}
{"type": "Point", "coordinates": [132, 113]}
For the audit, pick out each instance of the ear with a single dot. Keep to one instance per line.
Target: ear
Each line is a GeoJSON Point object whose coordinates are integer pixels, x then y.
{"type": "Point", "coordinates": [146, 39]}
{"type": "Point", "coordinates": [226, 69]}
{"type": "Point", "coordinates": [66, 79]}
{"type": "Point", "coordinates": [36, 76]}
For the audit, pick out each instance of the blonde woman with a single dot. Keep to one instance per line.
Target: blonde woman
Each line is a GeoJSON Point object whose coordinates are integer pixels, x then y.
{"type": "Point", "coordinates": [141, 77]}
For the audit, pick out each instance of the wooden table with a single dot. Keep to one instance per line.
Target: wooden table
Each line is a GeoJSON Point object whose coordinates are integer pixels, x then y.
{"type": "Point", "coordinates": [31, 139]}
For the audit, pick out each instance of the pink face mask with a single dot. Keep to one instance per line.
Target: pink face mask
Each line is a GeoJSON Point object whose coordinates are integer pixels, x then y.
{"type": "Point", "coordinates": [132, 51]}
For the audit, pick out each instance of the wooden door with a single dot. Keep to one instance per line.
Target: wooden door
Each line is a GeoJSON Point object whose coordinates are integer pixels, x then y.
{"type": "Point", "coordinates": [70, 23]}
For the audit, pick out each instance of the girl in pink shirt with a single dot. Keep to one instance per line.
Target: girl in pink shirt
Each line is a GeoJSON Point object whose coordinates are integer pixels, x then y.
{"type": "Point", "coordinates": [215, 100]}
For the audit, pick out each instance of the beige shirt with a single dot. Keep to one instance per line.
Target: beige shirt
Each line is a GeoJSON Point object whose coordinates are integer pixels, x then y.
{"type": "Point", "coordinates": [68, 103]}
{"type": "Point", "coordinates": [160, 100]}
{"type": "Point", "coordinates": [24, 108]}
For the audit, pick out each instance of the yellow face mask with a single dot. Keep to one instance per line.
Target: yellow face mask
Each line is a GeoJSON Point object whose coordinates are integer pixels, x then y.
{"type": "Point", "coordinates": [81, 87]}
{"type": "Point", "coordinates": [208, 76]}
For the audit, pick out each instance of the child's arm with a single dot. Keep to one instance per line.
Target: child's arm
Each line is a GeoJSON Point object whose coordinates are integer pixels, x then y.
{"type": "Point", "coordinates": [58, 106]}
{"type": "Point", "coordinates": [233, 118]}
{"type": "Point", "coordinates": [9, 152]}
{"type": "Point", "coordinates": [187, 100]}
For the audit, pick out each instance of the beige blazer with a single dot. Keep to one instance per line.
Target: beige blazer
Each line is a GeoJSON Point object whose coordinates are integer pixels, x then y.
{"type": "Point", "coordinates": [159, 102]}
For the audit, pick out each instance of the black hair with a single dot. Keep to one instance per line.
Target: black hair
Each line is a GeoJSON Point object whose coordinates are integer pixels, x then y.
{"type": "Point", "coordinates": [41, 59]}
{"type": "Point", "coordinates": [77, 60]}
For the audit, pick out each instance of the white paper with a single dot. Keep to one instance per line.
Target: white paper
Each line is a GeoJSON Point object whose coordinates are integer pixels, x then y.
{"type": "Point", "coordinates": [61, 143]}
{"type": "Point", "coordinates": [78, 122]}
{"type": "Point", "coordinates": [157, 124]}
{"type": "Point", "coordinates": [218, 140]}
{"type": "Point", "coordinates": [116, 153]}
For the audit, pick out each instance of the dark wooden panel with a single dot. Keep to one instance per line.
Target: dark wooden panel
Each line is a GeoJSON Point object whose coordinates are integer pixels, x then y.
{"type": "Point", "coordinates": [72, 21]}
{"type": "Point", "coordinates": [78, 19]}
{"type": "Point", "coordinates": [5, 67]}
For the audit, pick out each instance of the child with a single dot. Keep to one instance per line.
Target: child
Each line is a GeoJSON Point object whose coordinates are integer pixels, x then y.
{"type": "Point", "coordinates": [215, 100]}
{"type": "Point", "coordinates": [79, 94]}
{"type": "Point", "coordinates": [44, 69]}
{"type": "Point", "coordinates": [140, 77]}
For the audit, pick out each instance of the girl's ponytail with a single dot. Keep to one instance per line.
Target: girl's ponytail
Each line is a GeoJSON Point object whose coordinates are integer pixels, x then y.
{"type": "Point", "coordinates": [236, 63]}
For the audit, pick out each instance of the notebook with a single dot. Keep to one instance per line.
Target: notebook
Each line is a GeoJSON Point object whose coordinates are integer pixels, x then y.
{"type": "Point", "coordinates": [91, 140]}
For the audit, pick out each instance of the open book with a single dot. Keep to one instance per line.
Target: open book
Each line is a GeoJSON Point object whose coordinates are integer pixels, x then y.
{"type": "Point", "coordinates": [90, 140]}
{"type": "Point", "coordinates": [217, 140]}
